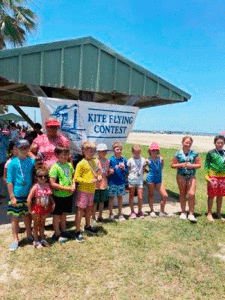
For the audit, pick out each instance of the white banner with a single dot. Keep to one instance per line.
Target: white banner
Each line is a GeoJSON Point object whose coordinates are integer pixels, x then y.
{"type": "Point", "coordinates": [97, 122]}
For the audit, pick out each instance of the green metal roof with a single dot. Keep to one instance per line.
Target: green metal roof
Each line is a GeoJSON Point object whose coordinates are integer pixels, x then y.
{"type": "Point", "coordinates": [85, 64]}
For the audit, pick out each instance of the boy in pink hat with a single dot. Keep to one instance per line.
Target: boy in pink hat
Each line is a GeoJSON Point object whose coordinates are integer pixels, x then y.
{"type": "Point", "coordinates": [154, 179]}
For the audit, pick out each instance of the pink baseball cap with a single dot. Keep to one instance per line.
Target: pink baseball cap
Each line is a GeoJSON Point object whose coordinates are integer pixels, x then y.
{"type": "Point", "coordinates": [154, 146]}
{"type": "Point", "coordinates": [52, 123]}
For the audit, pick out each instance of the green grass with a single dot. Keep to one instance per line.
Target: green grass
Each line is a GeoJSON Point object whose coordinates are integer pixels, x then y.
{"type": "Point", "coordinates": [140, 259]}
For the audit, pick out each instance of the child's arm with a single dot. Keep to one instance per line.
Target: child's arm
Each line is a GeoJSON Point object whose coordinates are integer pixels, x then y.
{"type": "Point", "coordinates": [176, 165]}
{"type": "Point", "coordinates": [52, 202]}
{"type": "Point", "coordinates": [57, 186]}
{"type": "Point", "coordinates": [11, 194]}
{"type": "Point", "coordinates": [207, 166]}
{"type": "Point", "coordinates": [162, 161]}
{"type": "Point", "coordinates": [30, 197]}
{"type": "Point", "coordinates": [5, 175]}
{"type": "Point", "coordinates": [196, 165]}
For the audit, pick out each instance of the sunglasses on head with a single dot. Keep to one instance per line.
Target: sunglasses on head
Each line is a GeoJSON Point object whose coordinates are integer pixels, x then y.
{"type": "Point", "coordinates": [42, 176]}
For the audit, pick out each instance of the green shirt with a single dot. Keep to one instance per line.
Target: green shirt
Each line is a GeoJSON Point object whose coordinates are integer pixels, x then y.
{"type": "Point", "coordinates": [63, 174]}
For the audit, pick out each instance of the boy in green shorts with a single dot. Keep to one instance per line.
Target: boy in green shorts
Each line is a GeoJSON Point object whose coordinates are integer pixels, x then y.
{"type": "Point", "coordinates": [61, 181]}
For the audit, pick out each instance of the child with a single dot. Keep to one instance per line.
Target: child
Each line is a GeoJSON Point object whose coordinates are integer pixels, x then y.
{"type": "Point", "coordinates": [186, 161]}
{"type": "Point", "coordinates": [154, 179]}
{"type": "Point", "coordinates": [116, 180]}
{"type": "Point", "coordinates": [43, 204]}
{"type": "Point", "coordinates": [215, 176]}
{"type": "Point", "coordinates": [136, 166]}
{"type": "Point", "coordinates": [61, 181]}
{"type": "Point", "coordinates": [13, 151]}
{"type": "Point", "coordinates": [101, 192]}
{"type": "Point", "coordinates": [87, 176]}
{"type": "Point", "coordinates": [19, 182]}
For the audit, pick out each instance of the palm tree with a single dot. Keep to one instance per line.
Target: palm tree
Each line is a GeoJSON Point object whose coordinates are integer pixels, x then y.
{"type": "Point", "coordinates": [16, 21]}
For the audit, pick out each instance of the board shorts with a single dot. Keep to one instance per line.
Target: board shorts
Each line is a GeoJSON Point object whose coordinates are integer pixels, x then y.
{"type": "Point", "coordinates": [84, 199]}
{"type": "Point", "coordinates": [19, 209]}
{"type": "Point", "coordinates": [117, 190]}
{"type": "Point", "coordinates": [217, 188]}
{"type": "Point", "coordinates": [101, 196]}
{"type": "Point", "coordinates": [63, 205]}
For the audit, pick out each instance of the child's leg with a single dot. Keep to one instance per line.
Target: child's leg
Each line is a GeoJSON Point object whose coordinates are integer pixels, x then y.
{"type": "Point", "coordinates": [94, 211]}
{"type": "Point", "coordinates": [100, 209]}
{"type": "Point", "coordinates": [42, 227]}
{"type": "Point", "coordinates": [56, 221]}
{"type": "Point", "coordinates": [79, 215]}
{"type": "Point", "coordinates": [111, 205]}
{"type": "Point", "coordinates": [131, 199]}
{"type": "Point", "coordinates": [191, 194]}
{"type": "Point", "coordinates": [88, 212]}
{"type": "Point", "coordinates": [219, 204]}
{"type": "Point", "coordinates": [120, 204]}
{"type": "Point", "coordinates": [151, 188]}
{"type": "Point", "coordinates": [15, 228]}
{"type": "Point", "coordinates": [210, 206]}
{"type": "Point", "coordinates": [63, 222]}
{"type": "Point", "coordinates": [37, 221]}
{"type": "Point", "coordinates": [140, 198]}
{"type": "Point", "coordinates": [27, 222]}
{"type": "Point", "coordinates": [161, 189]}
{"type": "Point", "coordinates": [182, 184]}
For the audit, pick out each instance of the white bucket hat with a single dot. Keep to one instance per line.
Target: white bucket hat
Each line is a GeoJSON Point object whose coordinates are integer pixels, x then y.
{"type": "Point", "coordinates": [102, 147]}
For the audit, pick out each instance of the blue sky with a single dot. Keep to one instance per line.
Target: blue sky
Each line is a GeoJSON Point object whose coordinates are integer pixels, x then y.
{"type": "Point", "coordinates": [181, 41]}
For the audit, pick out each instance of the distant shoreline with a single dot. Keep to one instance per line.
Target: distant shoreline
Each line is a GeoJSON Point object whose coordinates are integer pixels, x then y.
{"type": "Point", "coordinates": [201, 143]}
{"type": "Point", "coordinates": [175, 132]}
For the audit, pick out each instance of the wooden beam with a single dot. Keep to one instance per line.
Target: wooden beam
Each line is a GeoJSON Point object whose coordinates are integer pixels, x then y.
{"type": "Point", "coordinates": [24, 115]}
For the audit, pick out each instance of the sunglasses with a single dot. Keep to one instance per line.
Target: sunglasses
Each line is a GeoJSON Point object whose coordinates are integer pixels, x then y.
{"type": "Point", "coordinates": [42, 176]}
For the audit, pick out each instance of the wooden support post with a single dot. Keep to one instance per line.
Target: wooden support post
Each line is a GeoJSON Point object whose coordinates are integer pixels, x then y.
{"type": "Point", "coordinates": [24, 115]}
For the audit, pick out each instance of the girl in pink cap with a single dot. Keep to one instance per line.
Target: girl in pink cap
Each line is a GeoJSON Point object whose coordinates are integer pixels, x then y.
{"type": "Point", "coordinates": [154, 179]}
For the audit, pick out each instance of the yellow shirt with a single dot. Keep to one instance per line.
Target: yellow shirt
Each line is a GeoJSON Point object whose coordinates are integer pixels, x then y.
{"type": "Point", "coordinates": [84, 175]}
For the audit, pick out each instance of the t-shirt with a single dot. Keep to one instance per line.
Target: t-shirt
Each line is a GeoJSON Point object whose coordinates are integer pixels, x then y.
{"type": "Point", "coordinates": [47, 148]}
{"type": "Point", "coordinates": [19, 173]}
{"type": "Point", "coordinates": [64, 175]}
{"type": "Point", "coordinates": [119, 175]}
{"type": "Point", "coordinates": [84, 175]}
{"type": "Point", "coordinates": [104, 170]}
{"type": "Point", "coordinates": [215, 163]}
{"type": "Point", "coordinates": [186, 157]}
{"type": "Point", "coordinates": [136, 169]}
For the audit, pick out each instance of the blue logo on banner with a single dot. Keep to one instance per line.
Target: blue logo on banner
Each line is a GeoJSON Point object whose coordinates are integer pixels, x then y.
{"type": "Point", "coordinates": [63, 114]}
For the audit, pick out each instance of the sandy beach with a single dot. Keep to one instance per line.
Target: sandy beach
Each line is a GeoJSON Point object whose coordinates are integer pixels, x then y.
{"type": "Point", "coordinates": [200, 144]}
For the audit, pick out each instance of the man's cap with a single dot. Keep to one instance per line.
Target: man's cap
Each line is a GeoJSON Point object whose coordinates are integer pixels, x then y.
{"type": "Point", "coordinates": [52, 123]}
{"type": "Point", "coordinates": [154, 146]}
{"type": "Point", "coordinates": [23, 143]}
{"type": "Point", "coordinates": [102, 147]}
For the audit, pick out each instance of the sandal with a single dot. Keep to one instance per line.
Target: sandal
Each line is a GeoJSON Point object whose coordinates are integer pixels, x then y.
{"type": "Point", "coordinates": [38, 245]}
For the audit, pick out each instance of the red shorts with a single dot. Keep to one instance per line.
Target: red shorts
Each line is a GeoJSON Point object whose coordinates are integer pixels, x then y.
{"type": "Point", "coordinates": [217, 188]}
{"type": "Point", "coordinates": [40, 210]}
{"type": "Point", "coordinates": [84, 199]}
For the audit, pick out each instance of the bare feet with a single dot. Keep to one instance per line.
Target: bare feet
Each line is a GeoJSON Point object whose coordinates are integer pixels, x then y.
{"type": "Point", "coordinates": [210, 218]}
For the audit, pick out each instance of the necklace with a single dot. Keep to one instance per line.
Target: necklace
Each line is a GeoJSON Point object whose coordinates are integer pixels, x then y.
{"type": "Point", "coordinates": [67, 176]}
{"type": "Point", "coordinates": [21, 171]}
{"type": "Point", "coordinates": [221, 156]}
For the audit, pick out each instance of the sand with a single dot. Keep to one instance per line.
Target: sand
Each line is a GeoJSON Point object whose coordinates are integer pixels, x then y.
{"type": "Point", "coordinates": [200, 144]}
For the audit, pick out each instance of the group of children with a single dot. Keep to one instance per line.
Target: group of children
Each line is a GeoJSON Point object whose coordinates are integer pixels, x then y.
{"type": "Point", "coordinates": [97, 180]}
